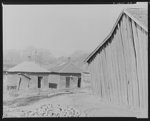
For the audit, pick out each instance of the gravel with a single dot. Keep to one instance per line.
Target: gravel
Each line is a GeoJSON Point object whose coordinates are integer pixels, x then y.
{"type": "Point", "coordinates": [46, 110]}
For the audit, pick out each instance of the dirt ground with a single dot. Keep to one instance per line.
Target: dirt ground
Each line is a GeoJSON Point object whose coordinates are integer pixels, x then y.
{"type": "Point", "coordinates": [83, 102]}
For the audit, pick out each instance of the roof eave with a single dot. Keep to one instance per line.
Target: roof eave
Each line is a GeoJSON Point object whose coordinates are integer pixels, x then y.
{"type": "Point", "coordinates": [27, 72]}
{"type": "Point", "coordinates": [107, 37]}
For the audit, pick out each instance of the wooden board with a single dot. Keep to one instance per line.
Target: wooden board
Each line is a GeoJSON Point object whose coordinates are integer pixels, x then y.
{"type": "Point", "coordinates": [122, 30]}
{"type": "Point", "coordinates": [127, 60]}
{"type": "Point", "coordinates": [138, 60]}
{"type": "Point", "coordinates": [143, 55]}
{"type": "Point", "coordinates": [114, 66]}
{"type": "Point", "coordinates": [133, 64]}
{"type": "Point", "coordinates": [102, 76]}
{"type": "Point", "coordinates": [110, 72]}
{"type": "Point", "coordinates": [122, 64]}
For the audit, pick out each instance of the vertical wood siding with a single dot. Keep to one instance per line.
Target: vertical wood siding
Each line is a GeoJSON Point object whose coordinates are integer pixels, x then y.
{"type": "Point", "coordinates": [119, 70]}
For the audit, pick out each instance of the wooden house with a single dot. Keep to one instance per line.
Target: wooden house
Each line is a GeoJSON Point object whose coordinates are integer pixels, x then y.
{"type": "Point", "coordinates": [119, 65]}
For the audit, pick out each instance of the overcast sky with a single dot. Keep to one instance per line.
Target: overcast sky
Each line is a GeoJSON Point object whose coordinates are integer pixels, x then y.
{"type": "Point", "coordinates": [63, 29]}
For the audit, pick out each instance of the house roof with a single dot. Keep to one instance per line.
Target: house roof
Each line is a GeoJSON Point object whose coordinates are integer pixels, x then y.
{"type": "Point", "coordinates": [66, 68]}
{"type": "Point", "coordinates": [7, 66]}
{"type": "Point", "coordinates": [28, 66]}
{"type": "Point", "coordinates": [138, 15]}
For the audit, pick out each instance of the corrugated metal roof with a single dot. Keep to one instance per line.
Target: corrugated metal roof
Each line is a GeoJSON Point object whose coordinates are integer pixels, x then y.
{"type": "Point", "coordinates": [66, 68]}
{"type": "Point", "coordinates": [28, 66]}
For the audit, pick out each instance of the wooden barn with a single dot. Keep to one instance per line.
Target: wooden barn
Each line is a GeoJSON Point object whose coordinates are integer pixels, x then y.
{"type": "Point", "coordinates": [65, 75]}
{"type": "Point", "coordinates": [27, 75]}
{"type": "Point", "coordinates": [119, 65]}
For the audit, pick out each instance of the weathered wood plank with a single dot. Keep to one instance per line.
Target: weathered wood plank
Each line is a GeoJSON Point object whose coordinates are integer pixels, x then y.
{"type": "Point", "coordinates": [144, 43]}
{"type": "Point", "coordinates": [102, 76]}
{"type": "Point", "coordinates": [116, 93]}
{"type": "Point", "coordinates": [127, 60]}
{"type": "Point", "coordinates": [122, 65]}
{"type": "Point", "coordinates": [94, 76]}
{"type": "Point", "coordinates": [131, 59]}
{"type": "Point", "coordinates": [119, 54]}
{"type": "Point", "coordinates": [97, 75]}
{"type": "Point", "coordinates": [107, 75]}
{"type": "Point", "coordinates": [110, 71]}
{"type": "Point", "coordinates": [145, 59]}
{"type": "Point", "coordinates": [133, 63]}
{"type": "Point", "coordinates": [91, 71]}
{"type": "Point", "coordinates": [113, 79]}
{"type": "Point", "coordinates": [143, 63]}
{"type": "Point", "coordinates": [115, 68]}
{"type": "Point", "coordinates": [122, 30]}
{"type": "Point", "coordinates": [138, 59]}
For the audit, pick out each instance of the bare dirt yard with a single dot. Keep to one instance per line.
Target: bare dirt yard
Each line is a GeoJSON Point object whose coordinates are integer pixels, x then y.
{"type": "Point", "coordinates": [77, 103]}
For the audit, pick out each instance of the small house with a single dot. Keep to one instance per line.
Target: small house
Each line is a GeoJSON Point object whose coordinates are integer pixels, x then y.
{"type": "Point", "coordinates": [27, 75]}
{"type": "Point", "coordinates": [66, 75]}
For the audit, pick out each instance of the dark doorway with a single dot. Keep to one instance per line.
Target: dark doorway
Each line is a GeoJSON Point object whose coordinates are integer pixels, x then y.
{"type": "Point", "coordinates": [39, 82]}
{"type": "Point", "coordinates": [79, 82]}
{"type": "Point", "coordinates": [67, 82]}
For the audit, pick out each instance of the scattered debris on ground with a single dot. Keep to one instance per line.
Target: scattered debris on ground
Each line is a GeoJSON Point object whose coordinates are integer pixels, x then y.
{"type": "Point", "coordinates": [45, 110]}
{"type": "Point", "coordinates": [75, 103]}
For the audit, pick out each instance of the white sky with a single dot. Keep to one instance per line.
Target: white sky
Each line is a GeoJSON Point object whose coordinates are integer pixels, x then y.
{"type": "Point", "coordinates": [63, 29]}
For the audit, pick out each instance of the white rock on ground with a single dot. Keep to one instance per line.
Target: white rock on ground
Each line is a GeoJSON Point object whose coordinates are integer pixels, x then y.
{"type": "Point", "coordinates": [46, 110]}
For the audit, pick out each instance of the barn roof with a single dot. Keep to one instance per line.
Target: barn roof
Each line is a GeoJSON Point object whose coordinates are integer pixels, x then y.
{"type": "Point", "coordinates": [28, 66]}
{"type": "Point", "coordinates": [138, 15]}
{"type": "Point", "coordinates": [66, 68]}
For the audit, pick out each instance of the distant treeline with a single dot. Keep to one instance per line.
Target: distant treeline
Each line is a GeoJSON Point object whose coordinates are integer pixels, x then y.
{"type": "Point", "coordinates": [42, 56]}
